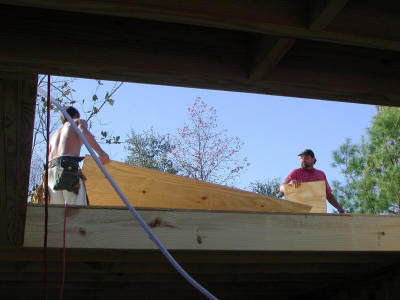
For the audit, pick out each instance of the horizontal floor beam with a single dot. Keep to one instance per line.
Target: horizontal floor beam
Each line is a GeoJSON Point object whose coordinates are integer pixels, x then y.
{"type": "Point", "coordinates": [203, 230]}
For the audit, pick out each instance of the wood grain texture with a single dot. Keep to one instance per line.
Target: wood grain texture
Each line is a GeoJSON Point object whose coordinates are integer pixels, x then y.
{"type": "Point", "coordinates": [16, 126]}
{"type": "Point", "coordinates": [149, 188]}
{"type": "Point", "coordinates": [311, 193]}
{"type": "Point", "coordinates": [227, 231]}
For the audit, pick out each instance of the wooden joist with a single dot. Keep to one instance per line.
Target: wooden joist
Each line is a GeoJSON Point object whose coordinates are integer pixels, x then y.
{"type": "Point", "coordinates": [128, 49]}
{"type": "Point", "coordinates": [149, 188]}
{"type": "Point", "coordinates": [119, 274]}
{"type": "Point", "coordinates": [268, 56]}
{"type": "Point", "coordinates": [17, 106]}
{"type": "Point", "coordinates": [227, 231]}
{"type": "Point", "coordinates": [279, 18]}
{"type": "Point", "coordinates": [323, 12]}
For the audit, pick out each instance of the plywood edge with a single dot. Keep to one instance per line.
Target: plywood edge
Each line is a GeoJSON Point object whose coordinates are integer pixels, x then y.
{"type": "Point", "coordinates": [155, 189]}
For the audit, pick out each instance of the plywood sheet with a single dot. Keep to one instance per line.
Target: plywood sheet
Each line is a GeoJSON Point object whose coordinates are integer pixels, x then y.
{"type": "Point", "coordinates": [311, 193]}
{"type": "Point", "coordinates": [149, 188]}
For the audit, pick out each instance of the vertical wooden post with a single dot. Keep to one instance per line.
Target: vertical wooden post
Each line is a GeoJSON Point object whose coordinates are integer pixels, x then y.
{"type": "Point", "coordinates": [17, 107]}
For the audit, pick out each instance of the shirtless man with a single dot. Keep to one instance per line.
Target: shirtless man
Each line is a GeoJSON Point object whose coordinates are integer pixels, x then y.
{"type": "Point", "coordinates": [65, 182]}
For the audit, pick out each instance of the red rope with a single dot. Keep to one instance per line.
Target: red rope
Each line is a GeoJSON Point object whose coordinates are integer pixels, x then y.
{"type": "Point", "coordinates": [46, 190]}
{"type": "Point", "coordinates": [63, 255]}
{"type": "Point", "coordinates": [46, 220]}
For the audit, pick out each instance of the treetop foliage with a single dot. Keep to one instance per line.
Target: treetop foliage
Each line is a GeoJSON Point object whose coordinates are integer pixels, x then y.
{"type": "Point", "coordinates": [371, 168]}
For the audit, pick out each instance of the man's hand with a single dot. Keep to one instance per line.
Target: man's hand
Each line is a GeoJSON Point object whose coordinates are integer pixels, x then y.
{"type": "Point", "coordinates": [332, 200]}
{"type": "Point", "coordinates": [104, 158]}
{"type": "Point", "coordinates": [296, 183]}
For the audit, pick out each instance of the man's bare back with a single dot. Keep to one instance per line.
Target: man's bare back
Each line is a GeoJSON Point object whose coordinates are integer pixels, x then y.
{"type": "Point", "coordinates": [65, 183]}
{"type": "Point", "coordinates": [67, 142]}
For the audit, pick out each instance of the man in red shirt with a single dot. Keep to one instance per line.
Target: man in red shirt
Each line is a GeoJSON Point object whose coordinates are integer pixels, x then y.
{"type": "Point", "coordinates": [308, 173]}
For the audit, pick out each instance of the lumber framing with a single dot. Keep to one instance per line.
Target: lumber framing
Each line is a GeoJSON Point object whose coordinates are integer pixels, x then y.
{"type": "Point", "coordinates": [344, 51]}
{"type": "Point", "coordinates": [136, 50]}
{"type": "Point", "coordinates": [267, 56]}
{"type": "Point", "coordinates": [282, 18]}
{"type": "Point", "coordinates": [17, 106]}
{"type": "Point", "coordinates": [211, 231]}
{"type": "Point", "coordinates": [267, 59]}
{"type": "Point", "coordinates": [154, 189]}
{"type": "Point", "coordinates": [324, 12]}
{"type": "Point", "coordinates": [106, 273]}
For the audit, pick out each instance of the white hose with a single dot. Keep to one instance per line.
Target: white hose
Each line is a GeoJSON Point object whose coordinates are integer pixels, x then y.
{"type": "Point", "coordinates": [132, 209]}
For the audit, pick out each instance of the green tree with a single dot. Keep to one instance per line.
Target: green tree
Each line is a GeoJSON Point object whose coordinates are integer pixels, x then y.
{"type": "Point", "coordinates": [63, 91]}
{"type": "Point", "coordinates": [269, 187]}
{"type": "Point", "coordinates": [371, 168]}
{"type": "Point", "coordinates": [150, 150]}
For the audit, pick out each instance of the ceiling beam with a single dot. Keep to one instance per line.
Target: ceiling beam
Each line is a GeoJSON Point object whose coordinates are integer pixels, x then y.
{"type": "Point", "coordinates": [202, 72]}
{"type": "Point", "coordinates": [269, 56]}
{"type": "Point", "coordinates": [174, 54]}
{"type": "Point", "coordinates": [323, 12]}
{"type": "Point", "coordinates": [281, 18]}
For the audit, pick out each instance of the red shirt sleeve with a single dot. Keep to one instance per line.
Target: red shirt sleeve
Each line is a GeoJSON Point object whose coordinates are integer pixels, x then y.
{"type": "Point", "coordinates": [290, 177]}
{"type": "Point", "coordinates": [328, 188]}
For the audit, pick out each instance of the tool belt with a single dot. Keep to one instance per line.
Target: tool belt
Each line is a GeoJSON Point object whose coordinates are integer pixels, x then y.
{"type": "Point", "coordinates": [68, 174]}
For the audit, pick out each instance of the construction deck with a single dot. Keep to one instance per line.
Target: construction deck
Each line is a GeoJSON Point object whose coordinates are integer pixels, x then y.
{"type": "Point", "coordinates": [334, 50]}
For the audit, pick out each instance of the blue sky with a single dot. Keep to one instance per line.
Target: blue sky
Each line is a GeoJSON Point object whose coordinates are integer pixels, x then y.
{"type": "Point", "coordinates": [274, 129]}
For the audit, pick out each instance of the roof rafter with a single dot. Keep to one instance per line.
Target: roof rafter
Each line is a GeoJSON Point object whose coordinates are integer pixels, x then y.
{"type": "Point", "coordinates": [282, 18]}
{"type": "Point", "coordinates": [323, 13]}
{"type": "Point", "coordinates": [270, 57]}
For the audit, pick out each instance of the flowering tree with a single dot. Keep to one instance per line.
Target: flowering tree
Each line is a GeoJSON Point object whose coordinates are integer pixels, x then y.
{"type": "Point", "coordinates": [203, 152]}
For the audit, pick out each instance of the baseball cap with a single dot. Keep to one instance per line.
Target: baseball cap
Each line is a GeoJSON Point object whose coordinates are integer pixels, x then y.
{"type": "Point", "coordinates": [307, 152]}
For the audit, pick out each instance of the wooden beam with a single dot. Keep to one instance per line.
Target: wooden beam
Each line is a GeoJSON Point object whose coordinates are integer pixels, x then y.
{"type": "Point", "coordinates": [323, 12]}
{"type": "Point", "coordinates": [227, 231]}
{"type": "Point", "coordinates": [280, 18]}
{"type": "Point", "coordinates": [149, 188]}
{"type": "Point", "coordinates": [118, 274]}
{"type": "Point", "coordinates": [17, 108]}
{"type": "Point", "coordinates": [202, 256]}
{"type": "Point", "coordinates": [194, 268]}
{"type": "Point", "coordinates": [268, 57]}
{"type": "Point", "coordinates": [181, 55]}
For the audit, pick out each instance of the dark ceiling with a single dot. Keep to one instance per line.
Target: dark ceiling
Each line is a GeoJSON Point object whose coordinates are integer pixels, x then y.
{"type": "Point", "coordinates": [335, 50]}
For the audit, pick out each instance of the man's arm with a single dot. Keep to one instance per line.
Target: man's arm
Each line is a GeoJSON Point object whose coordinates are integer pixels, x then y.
{"type": "Point", "coordinates": [290, 179]}
{"type": "Point", "coordinates": [82, 125]}
{"type": "Point", "coordinates": [332, 200]}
